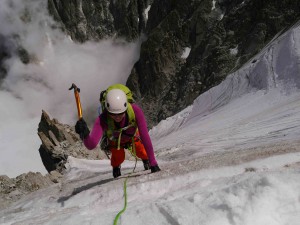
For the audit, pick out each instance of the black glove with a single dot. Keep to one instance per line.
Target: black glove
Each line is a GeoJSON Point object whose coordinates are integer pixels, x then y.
{"type": "Point", "coordinates": [154, 169]}
{"type": "Point", "coordinates": [82, 129]}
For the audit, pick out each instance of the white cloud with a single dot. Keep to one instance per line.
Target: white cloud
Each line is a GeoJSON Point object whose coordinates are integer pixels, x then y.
{"type": "Point", "coordinates": [43, 84]}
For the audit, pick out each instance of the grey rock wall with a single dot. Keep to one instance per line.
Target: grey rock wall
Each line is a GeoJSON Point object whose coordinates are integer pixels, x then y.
{"type": "Point", "coordinates": [222, 36]}
{"type": "Point", "coordinates": [99, 19]}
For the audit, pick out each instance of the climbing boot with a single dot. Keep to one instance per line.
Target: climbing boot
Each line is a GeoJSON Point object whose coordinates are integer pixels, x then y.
{"type": "Point", "coordinates": [154, 169]}
{"type": "Point", "coordinates": [146, 164]}
{"type": "Point", "coordinates": [116, 172]}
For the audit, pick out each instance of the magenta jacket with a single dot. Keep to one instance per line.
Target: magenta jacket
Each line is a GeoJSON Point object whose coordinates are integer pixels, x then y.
{"type": "Point", "coordinates": [100, 126]}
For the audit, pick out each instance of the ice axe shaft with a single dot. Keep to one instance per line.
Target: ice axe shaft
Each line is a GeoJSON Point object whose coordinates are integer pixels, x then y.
{"type": "Point", "coordinates": [77, 98]}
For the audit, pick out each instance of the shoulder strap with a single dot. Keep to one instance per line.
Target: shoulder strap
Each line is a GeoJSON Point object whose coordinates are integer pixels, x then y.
{"type": "Point", "coordinates": [131, 115]}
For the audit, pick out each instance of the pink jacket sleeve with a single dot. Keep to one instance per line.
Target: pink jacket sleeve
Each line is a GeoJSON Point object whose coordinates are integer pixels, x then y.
{"type": "Point", "coordinates": [93, 139]}
{"type": "Point", "coordinates": [143, 130]}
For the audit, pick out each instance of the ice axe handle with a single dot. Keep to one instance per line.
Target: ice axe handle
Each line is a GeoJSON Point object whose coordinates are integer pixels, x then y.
{"type": "Point", "coordinates": [77, 98]}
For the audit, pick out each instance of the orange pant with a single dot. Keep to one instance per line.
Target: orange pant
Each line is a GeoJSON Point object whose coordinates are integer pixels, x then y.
{"type": "Point", "coordinates": [118, 156]}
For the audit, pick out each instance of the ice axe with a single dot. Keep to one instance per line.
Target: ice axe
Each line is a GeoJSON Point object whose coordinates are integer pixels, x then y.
{"type": "Point", "coordinates": [77, 98]}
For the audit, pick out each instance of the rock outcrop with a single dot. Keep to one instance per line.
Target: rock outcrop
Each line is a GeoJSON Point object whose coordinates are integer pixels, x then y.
{"type": "Point", "coordinates": [60, 141]}
{"type": "Point", "coordinates": [12, 189]}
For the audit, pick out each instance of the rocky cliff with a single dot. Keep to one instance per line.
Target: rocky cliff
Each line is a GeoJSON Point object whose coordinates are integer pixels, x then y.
{"type": "Point", "coordinates": [190, 46]}
{"type": "Point", "coordinates": [60, 141]}
{"type": "Point", "coordinates": [96, 20]}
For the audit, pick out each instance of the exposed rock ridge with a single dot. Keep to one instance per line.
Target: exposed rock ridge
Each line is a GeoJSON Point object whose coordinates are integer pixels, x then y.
{"type": "Point", "coordinates": [60, 141]}
{"type": "Point", "coordinates": [12, 189]}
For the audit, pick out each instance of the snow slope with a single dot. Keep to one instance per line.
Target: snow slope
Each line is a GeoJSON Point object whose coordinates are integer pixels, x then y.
{"type": "Point", "coordinates": [230, 159]}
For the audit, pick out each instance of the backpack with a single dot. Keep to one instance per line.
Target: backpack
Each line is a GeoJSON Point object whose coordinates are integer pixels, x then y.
{"type": "Point", "coordinates": [130, 112]}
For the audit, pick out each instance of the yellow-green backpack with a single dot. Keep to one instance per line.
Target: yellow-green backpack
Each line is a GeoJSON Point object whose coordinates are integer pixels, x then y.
{"type": "Point", "coordinates": [130, 112]}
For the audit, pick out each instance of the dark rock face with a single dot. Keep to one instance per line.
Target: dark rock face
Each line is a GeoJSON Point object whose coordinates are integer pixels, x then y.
{"type": "Point", "coordinates": [98, 19]}
{"type": "Point", "coordinates": [3, 55]}
{"type": "Point", "coordinates": [222, 35]}
{"type": "Point", "coordinates": [222, 38]}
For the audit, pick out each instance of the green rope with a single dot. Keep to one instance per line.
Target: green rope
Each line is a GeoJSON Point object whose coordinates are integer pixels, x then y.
{"type": "Point", "coordinates": [125, 186]}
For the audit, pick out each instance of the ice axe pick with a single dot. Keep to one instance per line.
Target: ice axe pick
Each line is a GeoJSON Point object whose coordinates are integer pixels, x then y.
{"type": "Point", "coordinates": [77, 98]}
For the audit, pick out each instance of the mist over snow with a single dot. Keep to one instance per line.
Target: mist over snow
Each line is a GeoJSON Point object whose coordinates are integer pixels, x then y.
{"type": "Point", "coordinates": [57, 62]}
{"type": "Point", "coordinates": [231, 158]}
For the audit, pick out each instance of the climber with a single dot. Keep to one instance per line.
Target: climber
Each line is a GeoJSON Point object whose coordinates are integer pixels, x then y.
{"type": "Point", "coordinates": [124, 123]}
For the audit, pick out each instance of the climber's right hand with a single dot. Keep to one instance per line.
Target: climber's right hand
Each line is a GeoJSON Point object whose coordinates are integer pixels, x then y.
{"type": "Point", "coordinates": [82, 129]}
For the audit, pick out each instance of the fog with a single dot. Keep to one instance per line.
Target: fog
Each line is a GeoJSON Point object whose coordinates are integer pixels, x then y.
{"type": "Point", "coordinates": [55, 63]}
